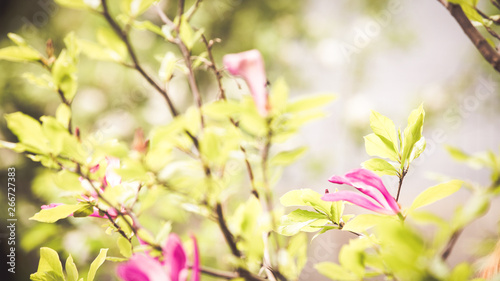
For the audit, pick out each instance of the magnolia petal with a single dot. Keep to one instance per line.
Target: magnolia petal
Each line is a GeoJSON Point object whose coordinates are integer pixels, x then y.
{"type": "Point", "coordinates": [195, 275]}
{"type": "Point", "coordinates": [371, 179]}
{"type": "Point", "coordinates": [366, 189]}
{"type": "Point", "coordinates": [250, 66]}
{"type": "Point", "coordinates": [174, 257]}
{"type": "Point", "coordinates": [142, 268]}
{"type": "Point", "coordinates": [356, 199]}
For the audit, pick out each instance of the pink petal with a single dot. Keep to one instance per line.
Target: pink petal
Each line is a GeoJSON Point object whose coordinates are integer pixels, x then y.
{"type": "Point", "coordinates": [250, 66]}
{"type": "Point", "coordinates": [356, 199]}
{"type": "Point", "coordinates": [196, 261]}
{"type": "Point", "coordinates": [174, 257]}
{"type": "Point", "coordinates": [94, 169]}
{"type": "Point", "coordinates": [368, 190]}
{"type": "Point", "coordinates": [50, 206]}
{"type": "Point", "coordinates": [142, 268]}
{"type": "Point", "coordinates": [369, 179]}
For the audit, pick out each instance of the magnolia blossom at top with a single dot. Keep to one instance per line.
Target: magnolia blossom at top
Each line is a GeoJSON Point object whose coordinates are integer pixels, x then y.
{"type": "Point", "coordinates": [173, 267]}
{"type": "Point", "coordinates": [370, 185]}
{"type": "Point", "coordinates": [250, 66]}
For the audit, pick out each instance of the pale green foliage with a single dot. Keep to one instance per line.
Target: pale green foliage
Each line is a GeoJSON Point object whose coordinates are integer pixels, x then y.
{"type": "Point", "coordinates": [399, 149]}
{"type": "Point", "coordinates": [50, 267]}
{"type": "Point", "coordinates": [327, 215]}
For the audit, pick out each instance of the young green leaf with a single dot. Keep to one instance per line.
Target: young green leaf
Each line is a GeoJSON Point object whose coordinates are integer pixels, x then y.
{"type": "Point", "coordinates": [71, 270]}
{"type": "Point", "coordinates": [361, 223]}
{"type": "Point", "coordinates": [99, 260]}
{"type": "Point", "coordinates": [297, 220]}
{"type": "Point", "coordinates": [285, 158]}
{"type": "Point", "coordinates": [28, 131]}
{"type": "Point", "coordinates": [412, 133]}
{"type": "Point", "coordinates": [376, 146]}
{"type": "Point", "coordinates": [384, 128]}
{"type": "Point", "coordinates": [380, 167]}
{"type": "Point", "coordinates": [334, 271]}
{"type": "Point", "coordinates": [435, 193]}
{"type": "Point", "coordinates": [124, 246]}
{"type": "Point", "coordinates": [54, 214]}
{"type": "Point", "coordinates": [73, 4]}
{"type": "Point", "coordinates": [49, 263]}
{"type": "Point", "coordinates": [19, 54]}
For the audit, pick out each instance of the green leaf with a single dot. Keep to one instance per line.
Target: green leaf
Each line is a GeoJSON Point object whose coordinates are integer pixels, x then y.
{"type": "Point", "coordinates": [167, 67]}
{"type": "Point", "coordinates": [109, 39]}
{"type": "Point", "coordinates": [43, 81]}
{"type": "Point", "coordinates": [306, 197]}
{"type": "Point", "coordinates": [384, 128]}
{"type": "Point", "coordinates": [64, 75]}
{"type": "Point", "coordinates": [49, 262]}
{"type": "Point", "coordinates": [124, 246]}
{"type": "Point", "coordinates": [186, 33]}
{"type": "Point", "coordinates": [375, 146]}
{"type": "Point", "coordinates": [19, 54]}
{"type": "Point", "coordinates": [337, 210]}
{"type": "Point", "coordinates": [310, 103]}
{"type": "Point", "coordinates": [138, 7]}
{"type": "Point", "coordinates": [435, 193]}
{"type": "Point", "coordinates": [292, 223]}
{"type": "Point", "coordinates": [97, 52]}
{"type": "Point", "coordinates": [99, 260]}
{"type": "Point", "coordinates": [85, 210]}
{"type": "Point", "coordinates": [279, 95]}
{"type": "Point", "coordinates": [18, 40]}
{"type": "Point", "coordinates": [147, 25]}
{"type": "Point", "coordinates": [380, 167]}
{"type": "Point", "coordinates": [285, 158]}
{"type": "Point", "coordinates": [54, 214]}
{"type": "Point", "coordinates": [73, 4]}
{"type": "Point", "coordinates": [413, 132]}
{"type": "Point", "coordinates": [361, 223]}
{"type": "Point", "coordinates": [63, 115]}
{"type": "Point", "coordinates": [334, 271]}
{"type": "Point", "coordinates": [28, 131]}
{"type": "Point", "coordinates": [71, 270]}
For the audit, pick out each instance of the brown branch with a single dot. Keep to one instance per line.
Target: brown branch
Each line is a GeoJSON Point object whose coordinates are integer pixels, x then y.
{"type": "Point", "coordinates": [451, 243]}
{"type": "Point", "coordinates": [124, 37]}
{"type": "Point", "coordinates": [486, 50]}
{"type": "Point", "coordinates": [226, 232]}
{"type": "Point", "coordinates": [213, 66]}
{"type": "Point", "coordinates": [401, 178]}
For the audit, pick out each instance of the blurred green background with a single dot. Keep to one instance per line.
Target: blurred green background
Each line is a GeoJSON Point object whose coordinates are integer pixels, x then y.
{"type": "Point", "coordinates": [388, 56]}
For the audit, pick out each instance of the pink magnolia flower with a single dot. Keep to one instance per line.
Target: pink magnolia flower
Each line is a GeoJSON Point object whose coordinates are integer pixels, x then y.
{"type": "Point", "coordinates": [370, 185]}
{"type": "Point", "coordinates": [250, 66]}
{"type": "Point", "coordinates": [141, 267]}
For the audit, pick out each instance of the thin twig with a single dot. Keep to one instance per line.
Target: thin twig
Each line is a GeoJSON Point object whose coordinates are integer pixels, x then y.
{"type": "Point", "coordinates": [451, 243]}
{"type": "Point", "coordinates": [213, 66]}
{"type": "Point", "coordinates": [124, 37]}
{"type": "Point", "coordinates": [401, 178]}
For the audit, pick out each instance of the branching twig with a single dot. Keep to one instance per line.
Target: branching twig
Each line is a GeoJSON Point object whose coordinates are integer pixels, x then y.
{"type": "Point", "coordinates": [136, 65]}
{"type": "Point", "coordinates": [401, 178]}
{"type": "Point", "coordinates": [482, 45]}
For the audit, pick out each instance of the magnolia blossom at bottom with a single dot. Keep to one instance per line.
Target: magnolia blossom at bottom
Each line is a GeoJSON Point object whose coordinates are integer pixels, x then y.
{"type": "Point", "coordinates": [377, 197]}
{"type": "Point", "coordinates": [173, 267]}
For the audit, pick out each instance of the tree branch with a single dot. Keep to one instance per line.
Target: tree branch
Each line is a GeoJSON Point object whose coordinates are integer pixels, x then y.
{"type": "Point", "coordinates": [486, 50]}
{"type": "Point", "coordinates": [124, 37]}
